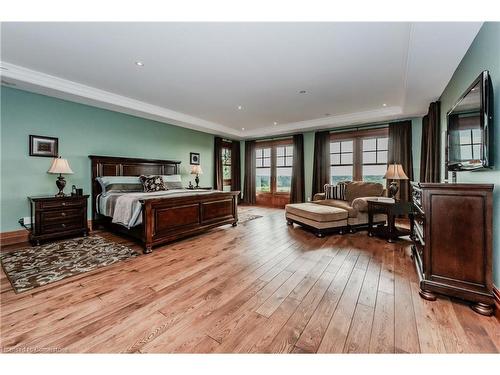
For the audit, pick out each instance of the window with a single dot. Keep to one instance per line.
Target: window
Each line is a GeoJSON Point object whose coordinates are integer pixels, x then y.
{"type": "Point", "coordinates": [284, 163]}
{"type": "Point", "coordinates": [263, 170]}
{"type": "Point", "coordinates": [359, 156]}
{"type": "Point", "coordinates": [341, 161]}
{"type": "Point", "coordinates": [226, 168]}
{"type": "Point", "coordinates": [470, 144]}
{"type": "Point", "coordinates": [375, 152]}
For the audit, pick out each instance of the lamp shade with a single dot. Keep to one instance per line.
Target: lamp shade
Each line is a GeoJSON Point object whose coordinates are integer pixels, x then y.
{"type": "Point", "coordinates": [60, 165]}
{"type": "Point", "coordinates": [196, 169]}
{"type": "Point", "coordinates": [395, 172]}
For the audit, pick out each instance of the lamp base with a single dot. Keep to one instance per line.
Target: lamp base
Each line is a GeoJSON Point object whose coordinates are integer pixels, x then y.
{"type": "Point", "coordinates": [61, 183]}
{"type": "Point", "coordinates": [197, 180]}
{"type": "Point", "coordinates": [393, 189]}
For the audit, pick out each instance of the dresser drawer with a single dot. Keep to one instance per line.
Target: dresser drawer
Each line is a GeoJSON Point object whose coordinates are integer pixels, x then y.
{"type": "Point", "coordinates": [61, 204]}
{"type": "Point", "coordinates": [52, 227]}
{"type": "Point", "coordinates": [60, 215]}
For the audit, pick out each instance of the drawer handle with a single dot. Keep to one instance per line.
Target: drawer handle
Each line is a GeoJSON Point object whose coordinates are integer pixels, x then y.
{"type": "Point", "coordinates": [63, 225]}
{"type": "Point", "coordinates": [64, 203]}
{"type": "Point", "coordinates": [63, 214]}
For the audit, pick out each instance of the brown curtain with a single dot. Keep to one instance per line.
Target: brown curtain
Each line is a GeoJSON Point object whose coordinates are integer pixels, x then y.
{"type": "Point", "coordinates": [430, 148]}
{"type": "Point", "coordinates": [249, 185]}
{"type": "Point", "coordinates": [218, 163]}
{"type": "Point", "coordinates": [235, 166]}
{"type": "Point", "coordinates": [321, 164]}
{"type": "Point", "coordinates": [400, 153]}
{"type": "Point", "coordinates": [297, 192]}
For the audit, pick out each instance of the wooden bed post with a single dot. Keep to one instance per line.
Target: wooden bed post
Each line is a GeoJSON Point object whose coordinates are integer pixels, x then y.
{"type": "Point", "coordinates": [148, 226]}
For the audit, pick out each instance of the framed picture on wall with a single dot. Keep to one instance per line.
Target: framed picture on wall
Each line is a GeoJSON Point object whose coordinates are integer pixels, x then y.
{"type": "Point", "coordinates": [43, 146]}
{"type": "Point", "coordinates": [194, 158]}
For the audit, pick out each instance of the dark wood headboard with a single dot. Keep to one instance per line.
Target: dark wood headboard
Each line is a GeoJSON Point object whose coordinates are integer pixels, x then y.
{"type": "Point", "coordinates": [121, 166]}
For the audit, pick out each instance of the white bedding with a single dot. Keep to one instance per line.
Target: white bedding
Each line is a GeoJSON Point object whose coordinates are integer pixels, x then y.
{"type": "Point", "coordinates": [125, 208]}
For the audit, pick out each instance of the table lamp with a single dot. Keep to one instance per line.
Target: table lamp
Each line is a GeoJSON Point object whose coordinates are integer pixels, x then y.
{"type": "Point", "coordinates": [196, 170]}
{"type": "Point", "coordinates": [60, 166]}
{"type": "Point", "coordinates": [394, 172]}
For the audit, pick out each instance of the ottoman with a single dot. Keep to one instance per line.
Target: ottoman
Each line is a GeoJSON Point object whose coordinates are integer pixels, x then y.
{"type": "Point", "coordinates": [316, 217]}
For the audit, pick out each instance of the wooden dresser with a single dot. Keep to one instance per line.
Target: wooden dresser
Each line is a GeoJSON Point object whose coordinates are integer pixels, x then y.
{"type": "Point", "coordinates": [452, 236]}
{"type": "Point", "coordinates": [57, 217]}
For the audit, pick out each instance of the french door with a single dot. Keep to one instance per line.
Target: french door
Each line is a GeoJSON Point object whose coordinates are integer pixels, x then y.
{"type": "Point", "coordinates": [273, 172]}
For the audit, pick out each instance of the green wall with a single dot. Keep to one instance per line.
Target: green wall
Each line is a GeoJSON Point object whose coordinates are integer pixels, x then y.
{"type": "Point", "coordinates": [82, 130]}
{"type": "Point", "coordinates": [483, 54]}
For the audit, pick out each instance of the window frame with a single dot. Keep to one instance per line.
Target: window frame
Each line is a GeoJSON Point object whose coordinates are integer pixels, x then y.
{"type": "Point", "coordinates": [471, 144]}
{"type": "Point", "coordinates": [357, 136]}
{"type": "Point", "coordinates": [273, 145]}
{"type": "Point", "coordinates": [229, 146]}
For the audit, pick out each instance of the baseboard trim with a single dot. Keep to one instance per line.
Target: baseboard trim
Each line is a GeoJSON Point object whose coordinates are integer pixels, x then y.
{"type": "Point", "coordinates": [21, 236]}
{"type": "Point", "coordinates": [14, 237]}
{"type": "Point", "coordinates": [496, 293]}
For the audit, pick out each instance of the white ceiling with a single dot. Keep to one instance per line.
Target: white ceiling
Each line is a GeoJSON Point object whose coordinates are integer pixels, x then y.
{"type": "Point", "coordinates": [196, 74]}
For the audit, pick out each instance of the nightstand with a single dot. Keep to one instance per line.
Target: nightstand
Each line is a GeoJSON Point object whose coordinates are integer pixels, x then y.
{"type": "Point", "coordinates": [57, 217]}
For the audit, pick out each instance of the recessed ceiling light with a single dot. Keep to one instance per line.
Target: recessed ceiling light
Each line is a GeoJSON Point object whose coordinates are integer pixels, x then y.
{"type": "Point", "coordinates": [275, 123]}
{"type": "Point", "coordinates": [240, 107]}
{"type": "Point", "coordinates": [243, 129]}
{"type": "Point", "coordinates": [384, 105]}
{"type": "Point", "coordinates": [139, 63]}
{"type": "Point", "coordinates": [302, 91]}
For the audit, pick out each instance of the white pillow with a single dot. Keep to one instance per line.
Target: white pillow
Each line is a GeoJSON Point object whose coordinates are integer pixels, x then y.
{"type": "Point", "coordinates": [172, 178]}
{"type": "Point", "coordinates": [119, 183]}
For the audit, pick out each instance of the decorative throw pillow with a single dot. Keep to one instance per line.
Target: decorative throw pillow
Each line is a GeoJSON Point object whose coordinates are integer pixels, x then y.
{"type": "Point", "coordinates": [335, 191]}
{"type": "Point", "coordinates": [152, 184]}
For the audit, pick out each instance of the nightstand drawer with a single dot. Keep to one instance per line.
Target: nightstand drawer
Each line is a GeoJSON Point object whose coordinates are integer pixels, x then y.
{"type": "Point", "coordinates": [51, 227]}
{"type": "Point", "coordinates": [60, 215]}
{"type": "Point", "coordinates": [62, 203]}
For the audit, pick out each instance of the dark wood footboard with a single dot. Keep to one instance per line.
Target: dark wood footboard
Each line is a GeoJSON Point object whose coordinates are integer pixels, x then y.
{"type": "Point", "coordinates": [168, 219]}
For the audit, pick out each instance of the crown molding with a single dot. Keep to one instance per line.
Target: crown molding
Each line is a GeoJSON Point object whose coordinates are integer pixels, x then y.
{"type": "Point", "coordinates": [45, 84]}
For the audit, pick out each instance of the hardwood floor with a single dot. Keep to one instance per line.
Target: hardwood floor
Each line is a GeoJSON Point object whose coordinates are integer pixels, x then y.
{"type": "Point", "coordinates": [261, 287]}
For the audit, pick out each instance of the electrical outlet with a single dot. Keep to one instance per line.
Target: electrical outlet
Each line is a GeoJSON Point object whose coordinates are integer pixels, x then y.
{"type": "Point", "coordinates": [27, 220]}
{"type": "Point", "coordinates": [308, 199]}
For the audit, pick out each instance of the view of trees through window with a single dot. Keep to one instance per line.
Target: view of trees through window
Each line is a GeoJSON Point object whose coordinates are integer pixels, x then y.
{"type": "Point", "coordinates": [226, 169]}
{"type": "Point", "coordinates": [341, 161]}
{"type": "Point", "coordinates": [276, 163]}
{"type": "Point", "coordinates": [263, 170]}
{"type": "Point", "coordinates": [375, 159]}
{"type": "Point", "coordinates": [284, 163]}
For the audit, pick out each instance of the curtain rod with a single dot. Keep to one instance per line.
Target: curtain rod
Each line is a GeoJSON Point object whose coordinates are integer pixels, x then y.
{"type": "Point", "coordinates": [374, 125]}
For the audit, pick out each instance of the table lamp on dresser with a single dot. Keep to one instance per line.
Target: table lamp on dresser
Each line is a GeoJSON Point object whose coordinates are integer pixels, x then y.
{"type": "Point", "coordinates": [395, 173]}
{"type": "Point", "coordinates": [60, 166]}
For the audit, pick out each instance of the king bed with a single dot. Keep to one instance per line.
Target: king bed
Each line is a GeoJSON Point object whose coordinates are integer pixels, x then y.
{"type": "Point", "coordinates": [159, 217]}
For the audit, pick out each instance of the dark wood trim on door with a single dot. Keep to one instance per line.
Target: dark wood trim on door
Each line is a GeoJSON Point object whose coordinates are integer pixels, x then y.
{"type": "Point", "coordinates": [273, 198]}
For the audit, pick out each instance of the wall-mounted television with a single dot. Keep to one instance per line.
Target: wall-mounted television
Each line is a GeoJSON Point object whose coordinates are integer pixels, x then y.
{"type": "Point", "coordinates": [470, 127]}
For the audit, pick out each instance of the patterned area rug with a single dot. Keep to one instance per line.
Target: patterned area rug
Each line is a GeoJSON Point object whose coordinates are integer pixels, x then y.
{"type": "Point", "coordinates": [243, 217]}
{"type": "Point", "coordinates": [32, 267]}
